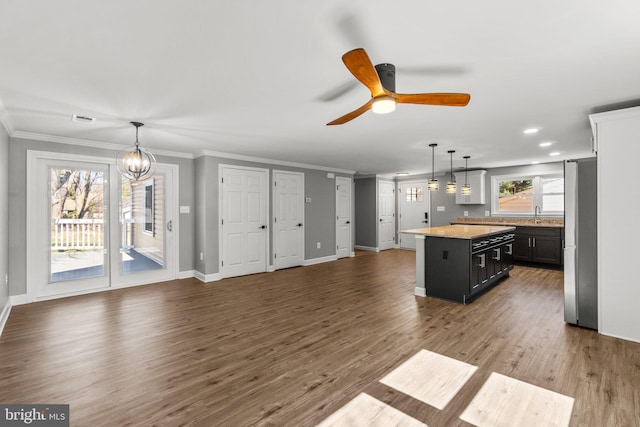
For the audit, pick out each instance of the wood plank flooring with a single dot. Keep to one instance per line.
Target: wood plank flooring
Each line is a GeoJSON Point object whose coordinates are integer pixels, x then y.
{"type": "Point", "coordinates": [290, 348]}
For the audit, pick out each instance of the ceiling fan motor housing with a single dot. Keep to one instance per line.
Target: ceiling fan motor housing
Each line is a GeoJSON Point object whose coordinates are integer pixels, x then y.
{"type": "Point", "coordinates": [387, 74]}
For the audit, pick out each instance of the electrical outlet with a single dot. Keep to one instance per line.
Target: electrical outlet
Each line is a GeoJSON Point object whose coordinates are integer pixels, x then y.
{"type": "Point", "coordinates": [318, 245]}
{"type": "Point", "coordinates": [466, 213]}
{"type": "Point", "coordinates": [201, 256]}
{"type": "Point", "coordinates": [487, 213]}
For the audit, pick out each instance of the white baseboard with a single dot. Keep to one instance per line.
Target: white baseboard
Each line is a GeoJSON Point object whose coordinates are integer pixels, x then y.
{"type": "Point", "coordinates": [206, 278]}
{"type": "Point", "coordinates": [352, 254]}
{"type": "Point", "coordinates": [186, 274]}
{"type": "Point", "coordinates": [367, 248]}
{"type": "Point", "coordinates": [320, 260]}
{"type": "Point", "coordinates": [18, 299]}
{"type": "Point", "coordinates": [396, 246]}
{"type": "Point", "coordinates": [271, 268]}
{"type": "Point", "coordinates": [420, 292]}
{"type": "Point", "coordinates": [4, 316]}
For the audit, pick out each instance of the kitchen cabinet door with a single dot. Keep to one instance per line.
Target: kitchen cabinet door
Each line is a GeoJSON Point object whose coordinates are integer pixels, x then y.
{"type": "Point", "coordinates": [547, 249]}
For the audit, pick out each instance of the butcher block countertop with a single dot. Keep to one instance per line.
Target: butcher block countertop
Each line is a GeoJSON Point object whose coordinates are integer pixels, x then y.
{"type": "Point", "coordinates": [516, 222]}
{"type": "Point", "coordinates": [460, 231]}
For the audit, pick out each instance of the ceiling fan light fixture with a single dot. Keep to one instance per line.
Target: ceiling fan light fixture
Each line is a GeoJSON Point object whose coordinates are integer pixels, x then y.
{"type": "Point", "coordinates": [383, 104]}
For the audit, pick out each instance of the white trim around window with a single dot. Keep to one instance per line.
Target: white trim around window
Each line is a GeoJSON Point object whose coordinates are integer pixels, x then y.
{"type": "Point", "coordinates": [537, 195]}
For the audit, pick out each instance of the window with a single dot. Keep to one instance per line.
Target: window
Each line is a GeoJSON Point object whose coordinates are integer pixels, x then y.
{"type": "Point", "coordinates": [148, 208]}
{"type": "Point", "coordinates": [521, 194]}
{"type": "Point", "coordinates": [414, 194]}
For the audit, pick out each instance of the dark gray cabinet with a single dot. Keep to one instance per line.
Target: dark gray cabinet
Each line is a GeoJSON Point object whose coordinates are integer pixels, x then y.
{"type": "Point", "coordinates": [538, 244]}
{"type": "Point", "coordinates": [461, 269]}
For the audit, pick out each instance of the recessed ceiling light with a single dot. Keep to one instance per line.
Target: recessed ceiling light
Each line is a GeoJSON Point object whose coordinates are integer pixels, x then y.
{"type": "Point", "coordinates": [555, 153]}
{"type": "Point", "coordinates": [535, 163]}
{"type": "Point", "coordinates": [402, 173]}
{"type": "Point", "coordinates": [531, 130]}
{"type": "Point", "coordinates": [546, 144]}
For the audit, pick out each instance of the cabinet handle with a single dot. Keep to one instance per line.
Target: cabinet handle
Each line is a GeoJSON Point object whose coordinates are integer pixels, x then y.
{"type": "Point", "coordinates": [497, 254]}
{"type": "Point", "coordinates": [482, 261]}
{"type": "Point", "coordinates": [509, 250]}
{"type": "Point", "coordinates": [534, 242]}
{"type": "Point", "coordinates": [529, 241]}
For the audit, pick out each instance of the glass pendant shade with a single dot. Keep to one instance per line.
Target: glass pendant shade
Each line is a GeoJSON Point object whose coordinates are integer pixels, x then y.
{"type": "Point", "coordinates": [432, 184]}
{"type": "Point", "coordinates": [466, 188]}
{"type": "Point", "coordinates": [136, 163]}
{"type": "Point", "coordinates": [451, 185]}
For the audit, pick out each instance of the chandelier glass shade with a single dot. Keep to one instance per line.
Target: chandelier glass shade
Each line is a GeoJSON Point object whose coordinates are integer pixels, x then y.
{"type": "Point", "coordinates": [136, 163]}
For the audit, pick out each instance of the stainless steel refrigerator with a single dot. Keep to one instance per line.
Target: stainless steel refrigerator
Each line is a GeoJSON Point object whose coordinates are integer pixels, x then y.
{"type": "Point", "coordinates": [581, 243]}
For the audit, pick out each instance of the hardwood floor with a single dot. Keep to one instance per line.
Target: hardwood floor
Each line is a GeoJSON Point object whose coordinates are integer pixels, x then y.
{"type": "Point", "coordinates": [290, 348]}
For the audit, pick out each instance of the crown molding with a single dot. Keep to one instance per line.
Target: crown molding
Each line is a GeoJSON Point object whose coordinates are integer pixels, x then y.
{"type": "Point", "coordinates": [92, 144]}
{"type": "Point", "coordinates": [271, 161]}
{"type": "Point", "coordinates": [5, 119]}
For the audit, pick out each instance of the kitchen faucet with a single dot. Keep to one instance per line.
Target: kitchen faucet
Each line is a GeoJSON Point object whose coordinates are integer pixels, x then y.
{"type": "Point", "coordinates": [536, 211]}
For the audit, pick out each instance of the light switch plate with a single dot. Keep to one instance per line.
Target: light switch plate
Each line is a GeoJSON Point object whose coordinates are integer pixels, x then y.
{"type": "Point", "coordinates": [466, 213]}
{"type": "Point", "coordinates": [487, 213]}
{"type": "Point", "coordinates": [185, 209]}
{"type": "Point", "coordinates": [308, 200]}
{"type": "Point", "coordinates": [440, 208]}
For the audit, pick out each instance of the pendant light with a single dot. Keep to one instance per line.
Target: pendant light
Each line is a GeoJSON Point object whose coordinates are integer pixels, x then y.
{"type": "Point", "coordinates": [466, 188]}
{"type": "Point", "coordinates": [451, 185]}
{"type": "Point", "coordinates": [432, 184]}
{"type": "Point", "coordinates": [136, 163]}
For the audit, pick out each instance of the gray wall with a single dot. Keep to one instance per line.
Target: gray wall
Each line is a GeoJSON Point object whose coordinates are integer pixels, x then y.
{"type": "Point", "coordinates": [453, 211]}
{"type": "Point", "coordinates": [18, 203]}
{"type": "Point", "coordinates": [4, 216]}
{"type": "Point", "coordinates": [320, 214]}
{"type": "Point", "coordinates": [366, 204]}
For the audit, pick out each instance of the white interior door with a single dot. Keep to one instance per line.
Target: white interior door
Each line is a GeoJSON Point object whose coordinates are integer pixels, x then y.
{"type": "Point", "coordinates": [243, 224]}
{"type": "Point", "coordinates": [288, 219]}
{"type": "Point", "coordinates": [76, 245]}
{"type": "Point", "coordinates": [413, 203]}
{"type": "Point", "coordinates": [343, 217]}
{"type": "Point", "coordinates": [387, 215]}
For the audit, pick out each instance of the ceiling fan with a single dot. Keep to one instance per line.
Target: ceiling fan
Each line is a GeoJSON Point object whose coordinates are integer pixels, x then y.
{"type": "Point", "coordinates": [380, 80]}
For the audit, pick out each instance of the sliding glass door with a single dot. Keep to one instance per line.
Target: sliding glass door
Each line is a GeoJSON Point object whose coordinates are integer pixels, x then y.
{"type": "Point", "coordinates": [94, 230]}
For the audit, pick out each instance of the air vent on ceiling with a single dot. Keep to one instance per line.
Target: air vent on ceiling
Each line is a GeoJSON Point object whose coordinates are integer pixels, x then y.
{"type": "Point", "coordinates": [83, 119]}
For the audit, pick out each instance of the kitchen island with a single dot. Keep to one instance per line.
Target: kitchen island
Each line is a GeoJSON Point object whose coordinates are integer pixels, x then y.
{"type": "Point", "coordinates": [459, 262]}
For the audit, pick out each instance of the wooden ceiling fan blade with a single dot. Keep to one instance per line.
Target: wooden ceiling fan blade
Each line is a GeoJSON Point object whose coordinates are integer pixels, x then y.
{"type": "Point", "coordinates": [448, 99]}
{"type": "Point", "coordinates": [357, 61]}
{"type": "Point", "coordinates": [352, 115]}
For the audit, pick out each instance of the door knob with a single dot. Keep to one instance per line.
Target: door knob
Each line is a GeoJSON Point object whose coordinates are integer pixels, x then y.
{"type": "Point", "coordinates": [263, 227]}
{"type": "Point", "coordinates": [348, 222]}
{"type": "Point", "coordinates": [300, 225]}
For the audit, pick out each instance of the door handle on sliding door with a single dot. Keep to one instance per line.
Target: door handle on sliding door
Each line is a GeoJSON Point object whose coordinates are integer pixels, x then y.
{"type": "Point", "coordinates": [170, 225]}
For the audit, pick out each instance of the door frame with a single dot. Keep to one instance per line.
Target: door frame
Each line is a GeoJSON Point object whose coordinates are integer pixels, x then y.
{"type": "Point", "coordinates": [273, 213]}
{"type": "Point", "coordinates": [393, 186]}
{"type": "Point", "coordinates": [400, 203]}
{"type": "Point", "coordinates": [33, 158]}
{"type": "Point", "coordinates": [267, 240]}
{"type": "Point", "coordinates": [351, 186]}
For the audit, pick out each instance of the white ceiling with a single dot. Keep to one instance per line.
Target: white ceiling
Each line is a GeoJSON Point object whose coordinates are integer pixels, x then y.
{"type": "Point", "coordinates": [246, 77]}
